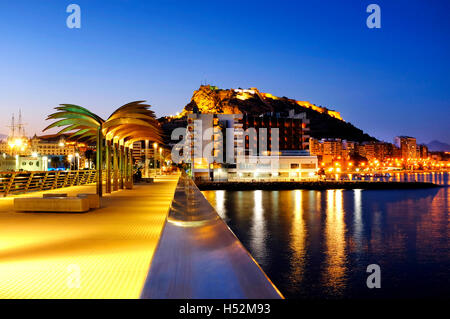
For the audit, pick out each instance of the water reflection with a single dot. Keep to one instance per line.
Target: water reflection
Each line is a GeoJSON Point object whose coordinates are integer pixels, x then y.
{"type": "Point", "coordinates": [357, 219]}
{"type": "Point", "coordinates": [220, 203]}
{"type": "Point", "coordinates": [258, 230]}
{"type": "Point", "coordinates": [317, 244]}
{"type": "Point", "coordinates": [334, 276]}
{"type": "Point", "coordinates": [298, 239]}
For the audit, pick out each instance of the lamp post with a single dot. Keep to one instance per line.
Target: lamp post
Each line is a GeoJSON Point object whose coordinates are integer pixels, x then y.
{"type": "Point", "coordinates": [155, 145]}
{"type": "Point", "coordinates": [77, 155]}
{"type": "Point", "coordinates": [70, 161]}
{"type": "Point", "coordinates": [160, 161]}
{"type": "Point", "coordinates": [146, 159]}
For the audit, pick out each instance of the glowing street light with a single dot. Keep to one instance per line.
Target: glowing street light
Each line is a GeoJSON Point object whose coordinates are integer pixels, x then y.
{"type": "Point", "coordinates": [155, 145]}
{"type": "Point", "coordinates": [160, 161]}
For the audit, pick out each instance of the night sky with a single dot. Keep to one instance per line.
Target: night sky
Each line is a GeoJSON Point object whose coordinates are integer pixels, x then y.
{"type": "Point", "coordinates": [389, 81]}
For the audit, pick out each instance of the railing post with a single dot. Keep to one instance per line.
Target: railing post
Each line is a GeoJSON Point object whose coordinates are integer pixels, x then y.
{"type": "Point", "coordinates": [66, 179]}
{"type": "Point", "coordinates": [75, 179]}
{"type": "Point", "coordinates": [44, 181]}
{"type": "Point", "coordinates": [8, 188]}
{"type": "Point", "coordinates": [30, 178]}
{"type": "Point", "coordinates": [55, 182]}
{"type": "Point", "coordinates": [82, 179]}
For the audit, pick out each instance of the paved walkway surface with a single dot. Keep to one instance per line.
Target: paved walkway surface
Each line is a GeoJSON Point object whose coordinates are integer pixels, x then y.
{"type": "Point", "coordinates": [105, 253]}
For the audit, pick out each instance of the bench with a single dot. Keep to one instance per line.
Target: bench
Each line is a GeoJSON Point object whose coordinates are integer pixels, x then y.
{"type": "Point", "coordinates": [147, 179]}
{"type": "Point", "coordinates": [52, 204]}
{"type": "Point", "coordinates": [54, 195]}
{"type": "Point", "coordinates": [93, 199]}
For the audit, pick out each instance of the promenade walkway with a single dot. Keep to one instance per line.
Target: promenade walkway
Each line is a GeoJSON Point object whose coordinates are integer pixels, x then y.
{"type": "Point", "coordinates": [105, 253]}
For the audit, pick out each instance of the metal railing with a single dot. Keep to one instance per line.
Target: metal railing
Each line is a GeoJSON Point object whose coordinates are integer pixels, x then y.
{"type": "Point", "coordinates": [23, 182]}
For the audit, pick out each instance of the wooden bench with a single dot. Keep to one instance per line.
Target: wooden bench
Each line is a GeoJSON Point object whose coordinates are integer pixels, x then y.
{"type": "Point", "coordinates": [52, 204]}
{"type": "Point", "coordinates": [94, 199]}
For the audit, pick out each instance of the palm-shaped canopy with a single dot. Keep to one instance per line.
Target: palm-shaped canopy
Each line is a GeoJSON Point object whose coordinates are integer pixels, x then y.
{"type": "Point", "coordinates": [129, 123]}
{"type": "Point", "coordinates": [81, 121]}
{"type": "Point", "coordinates": [132, 122]}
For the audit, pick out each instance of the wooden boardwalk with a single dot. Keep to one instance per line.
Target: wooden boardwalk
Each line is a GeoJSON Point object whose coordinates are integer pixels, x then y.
{"type": "Point", "coordinates": [104, 253]}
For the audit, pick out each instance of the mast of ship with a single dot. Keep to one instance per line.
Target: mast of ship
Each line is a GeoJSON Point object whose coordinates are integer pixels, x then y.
{"type": "Point", "coordinates": [12, 131]}
{"type": "Point", "coordinates": [20, 125]}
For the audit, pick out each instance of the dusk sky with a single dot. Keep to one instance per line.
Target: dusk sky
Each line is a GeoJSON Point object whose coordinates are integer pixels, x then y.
{"type": "Point", "coordinates": [389, 81]}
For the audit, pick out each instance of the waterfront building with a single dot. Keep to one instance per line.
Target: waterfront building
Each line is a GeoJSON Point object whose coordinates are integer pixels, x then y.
{"type": "Point", "coordinates": [348, 148]}
{"type": "Point", "coordinates": [422, 150]}
{"type": "Point", "coordinates": [293, 129]}
{"type": "Point", "coordinates": [221, 144]}
{"type": "Point", "coordinates": [327, 149]}
{"type": "Point", "coordinates": [23, 163]}
{"type": "Point", "coordinates": [43, 145]}
{"type": "Point", "coordinates": [407, 146]}
{"type": "Point", "coordinates": [287, 167]}
{"type": "Point", "coordinates": [208, 142]}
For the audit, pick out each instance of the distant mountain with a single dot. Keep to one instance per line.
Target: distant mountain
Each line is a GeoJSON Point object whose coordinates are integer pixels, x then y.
{"type": "Point", "coordinates": [436, 146]}
{"type": "Point", "coordinates": [324, 123]}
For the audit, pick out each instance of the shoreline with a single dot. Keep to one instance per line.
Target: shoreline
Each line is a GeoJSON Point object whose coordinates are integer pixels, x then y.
{"type": "Point", "coordinates": [313, 185]}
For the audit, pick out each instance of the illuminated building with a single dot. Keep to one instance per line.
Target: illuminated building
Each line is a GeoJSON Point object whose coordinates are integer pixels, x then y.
{"type": "Point", "coordinates": [293, 129]}
{"type": "Point", "coordinates": [214, 153]}
{"type": "Point", "coordinates": [407, 146]}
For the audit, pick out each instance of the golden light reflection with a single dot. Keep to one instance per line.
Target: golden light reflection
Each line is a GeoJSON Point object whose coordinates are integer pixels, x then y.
{"type": "Point", "coordinates": [220, 203]}
{"type": "Point", "coordinates": [258, 229]}
{"type": "Point", "coordinates": [335, 241]}
{"type": "Point", "coordinates": [298, 239]}
{"type": "Point", "coordinates": [358, 223]}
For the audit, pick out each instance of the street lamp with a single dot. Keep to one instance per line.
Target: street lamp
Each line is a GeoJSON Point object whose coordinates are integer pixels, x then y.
{"type": "Point", "coordinates": [77, 155]}
{"type": "Point", "coordinates": [70, 156]}
{"type": "Point", "coordinates": [155, 145]}
{"type": "Point", "coordinates": [160, 161]}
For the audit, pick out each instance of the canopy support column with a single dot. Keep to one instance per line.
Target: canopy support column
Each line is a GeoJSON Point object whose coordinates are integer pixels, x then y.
{"type": "Point", "coordinates": [108, 166]}
{"type": "Point", "coordinates": [116, 168]}
{"type": "Point", "coordinates": [99, 163]}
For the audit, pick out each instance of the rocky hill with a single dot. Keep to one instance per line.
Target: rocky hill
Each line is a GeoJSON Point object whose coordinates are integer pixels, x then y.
{"type": "Point", "coordinates": [324, 123]}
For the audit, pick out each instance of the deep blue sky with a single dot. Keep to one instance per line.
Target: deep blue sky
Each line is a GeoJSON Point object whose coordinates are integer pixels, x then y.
{"type": "Point", "coordinates": [389, 81]}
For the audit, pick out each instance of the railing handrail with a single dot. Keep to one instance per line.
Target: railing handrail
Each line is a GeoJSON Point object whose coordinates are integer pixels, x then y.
{"type": "Point", "coordinates": [15, 182]}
